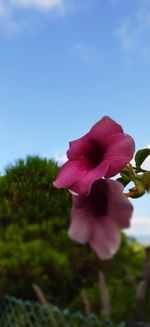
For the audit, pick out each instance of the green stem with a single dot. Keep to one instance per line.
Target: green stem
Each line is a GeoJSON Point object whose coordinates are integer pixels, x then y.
{"type": "Point", "coordinates": [140, 170]}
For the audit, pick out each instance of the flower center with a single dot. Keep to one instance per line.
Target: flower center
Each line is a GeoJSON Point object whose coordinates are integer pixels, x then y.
{"type": "Point", "coordinates": [94, 155]}
{"type": "Point", "coordinates": [98, 199]}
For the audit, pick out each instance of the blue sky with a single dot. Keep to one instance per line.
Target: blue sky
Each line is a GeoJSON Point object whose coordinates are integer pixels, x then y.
{"type": "Point", "coordinates": [66, 63]}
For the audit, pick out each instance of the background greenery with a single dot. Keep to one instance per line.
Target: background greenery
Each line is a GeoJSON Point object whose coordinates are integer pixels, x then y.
{"type": "Point", "coordinates": [35, 248]}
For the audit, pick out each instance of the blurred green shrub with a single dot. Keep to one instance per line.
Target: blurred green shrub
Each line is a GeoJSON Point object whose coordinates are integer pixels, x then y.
{"type": "Point", "coordinates": [35, 248]}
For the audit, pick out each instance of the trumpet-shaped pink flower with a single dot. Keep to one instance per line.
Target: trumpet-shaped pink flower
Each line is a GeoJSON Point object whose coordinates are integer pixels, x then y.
{"type": "Point", "coordinates": [98, 218]}
{"type": "Point", "coordinates": [103, 152]}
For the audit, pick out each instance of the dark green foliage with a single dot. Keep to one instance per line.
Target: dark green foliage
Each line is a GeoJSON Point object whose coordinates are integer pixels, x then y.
{"type": "Point", "coordinates": [27, 192]}
{"type": "Point", "coordinates": [140, 156]}
{"type": "Point", "coordinates": [35, 248]}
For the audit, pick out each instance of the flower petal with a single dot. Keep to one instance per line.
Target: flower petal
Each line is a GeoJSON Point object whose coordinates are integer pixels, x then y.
{"type": "Point", "coordinates": [78, 147]}
{"type": "Point", "coordinates": [83, 184]}
{"type": "Point", "coordinates": [106, 238]}
{"type": "Point", "coordinates": [119, 152]}
{"type": "Point", "coordinates": [75, 176]}
{"type": "Point", "coordinates": [103, 152]}
{"type": "Point", "coordinates": [69, 173]}
{"type": "Point", "coordinates": [120, 208]}
{"type": "Point", "coordinates": [98, 217]}
{"type": "Point", "coordinates": [81, 227]}
{"type": "Point", "coordinates": [103, 128]}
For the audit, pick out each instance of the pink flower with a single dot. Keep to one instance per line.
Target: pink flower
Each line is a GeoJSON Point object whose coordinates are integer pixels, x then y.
{"type": "Point", "coordinates": [103, 152]}
{"type": "Point", "coordinates": [99, 217]}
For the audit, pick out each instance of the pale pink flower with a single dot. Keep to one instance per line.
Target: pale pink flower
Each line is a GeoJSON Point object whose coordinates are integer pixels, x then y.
{"type": "Point", "coordinates": [98, 218]}
{"type": "Point", "coordinates": [103, 152]}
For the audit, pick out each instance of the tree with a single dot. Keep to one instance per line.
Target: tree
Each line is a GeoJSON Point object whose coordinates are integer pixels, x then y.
{"type": "Point", "coordinates": [35, 248]}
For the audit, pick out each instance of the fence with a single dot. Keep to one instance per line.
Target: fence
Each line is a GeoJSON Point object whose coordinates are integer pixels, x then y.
{"type": "Point", "coordinates": [19, 313]}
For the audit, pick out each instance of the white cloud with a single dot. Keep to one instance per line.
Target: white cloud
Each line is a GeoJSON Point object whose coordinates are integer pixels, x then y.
{"type": "Point", "coordinates": [4, 9]}
{"type": "Point", "coordinates": [133, 29]}
{"type": "Point", "coordinates": [65, 6]}
{"type": "Point", "coordinates": [11, 23]}
{"type": "Point", "coordinates": [60, 158]}
{"type": "Point", "coordinates": [125, 35]}
{"type": "Point", "coordinates": [139, 226]}
{"type": "Point", "coordinates": [45, 4]}
{"type": "Point", "coordinates": [14, 14]}
{"type": "Point", "coordinates": [85, 52]}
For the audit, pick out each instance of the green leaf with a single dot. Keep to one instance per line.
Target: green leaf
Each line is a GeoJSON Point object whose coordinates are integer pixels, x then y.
{"type": "Point", "coordinates": [140, 156]}
{"type": "Point", "coordinates": [125, 176]}
{"type": "Point", "coordinates": [123, 181]}
{"type": "Point", "coordinates": [145, 178]}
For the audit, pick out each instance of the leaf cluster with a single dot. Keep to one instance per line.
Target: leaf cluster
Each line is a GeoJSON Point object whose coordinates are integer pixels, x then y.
{"type": "Point", "coordinates": [137, 175]}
